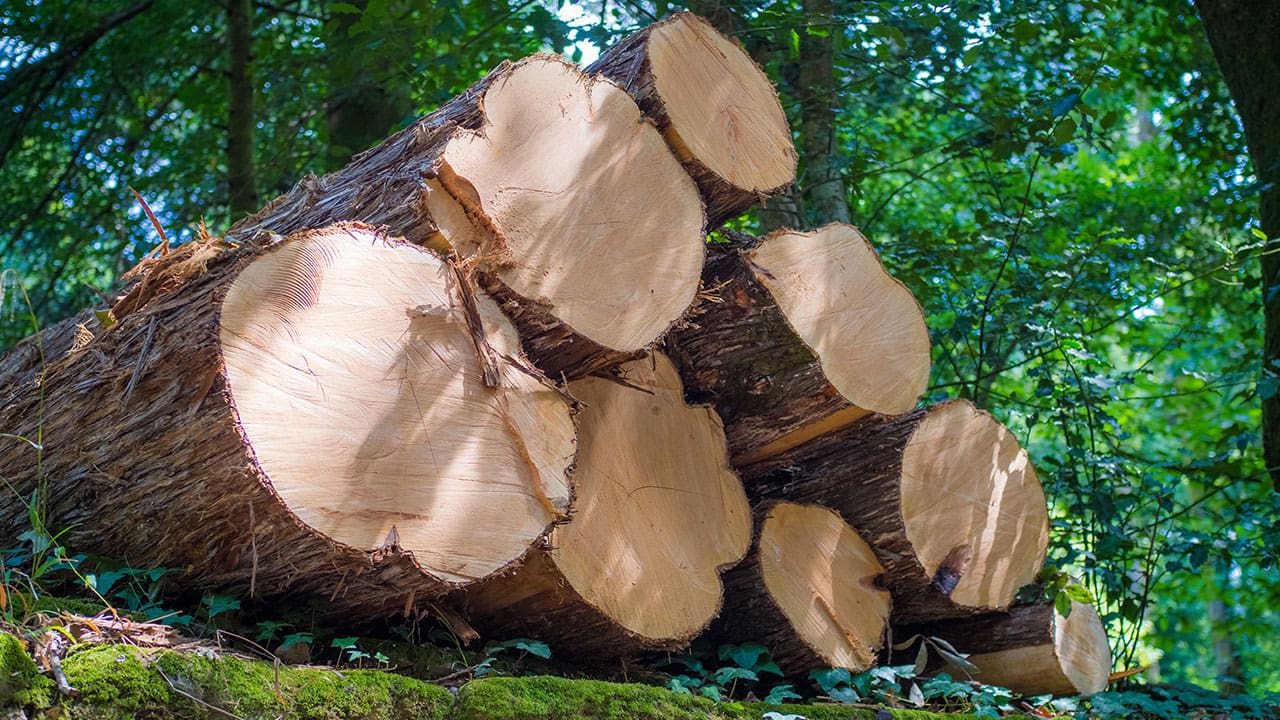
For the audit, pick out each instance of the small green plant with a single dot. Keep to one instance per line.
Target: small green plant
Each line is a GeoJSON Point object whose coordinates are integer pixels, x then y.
{"type": "Point", "coordinates": [353, 654]}
{"type": "Point", "coordinates": [494, 649]}
{"type": "Point", "coordinates": [1173, 700]}
{"type": "Point", "coordinates": [903, 685]}
{"type": "Point", "coordinates": [739, 667]}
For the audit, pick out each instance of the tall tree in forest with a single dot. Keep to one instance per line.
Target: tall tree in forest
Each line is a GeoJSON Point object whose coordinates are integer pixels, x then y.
{"type": "Point", "coordinates": [1244, 35]}
{"type": "Point", "coordinates": [241, 190]}
{"type": "Point", "coordinates": [369, 91]}
{"type": "Point", "coordinates": [823, 185]}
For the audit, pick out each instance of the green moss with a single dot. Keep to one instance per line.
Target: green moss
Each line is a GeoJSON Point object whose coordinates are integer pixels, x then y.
{"type": "Point", "coordinates": [552, 698]}
{"type": "Point", "coordinates": [114, 682]}
{"type": "Point", "coordinates": [118, 682]}
{"type": "Point", "coordinates": [20, 683]}
{"type": "Point", "coordinates": [369, 695]}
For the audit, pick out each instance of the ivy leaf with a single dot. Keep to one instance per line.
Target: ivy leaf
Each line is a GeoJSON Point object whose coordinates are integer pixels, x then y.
{"type": "Point", "coordinates": [533, 647]}
{"type": "Point", "coordinates": [1079, 593]}
{"type": "Point", "coordinates": [725, 674]}
{"type": "Point", "coordinates": [782, 693]}
{"type": "Point", "coordinates": [746, 655]}
{"type": "Point", "coordinates": [830, 678]}
{"type": "Point", "coordinates": [845, 695]}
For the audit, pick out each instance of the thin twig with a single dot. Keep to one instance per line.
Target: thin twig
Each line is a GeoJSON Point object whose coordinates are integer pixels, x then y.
{"type": "Point", "coordinates": [197, 700]}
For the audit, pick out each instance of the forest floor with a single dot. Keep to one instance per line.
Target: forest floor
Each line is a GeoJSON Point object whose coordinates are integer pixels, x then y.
{"type": "Point", "coordinates": [63, 661]}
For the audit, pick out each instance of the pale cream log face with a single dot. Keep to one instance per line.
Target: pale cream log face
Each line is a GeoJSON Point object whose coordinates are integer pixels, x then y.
{"type": "Point", "coordinates": [866, 329]}
{"type": "Point", "coordinates": [722, 107]}
{"type": "Point", "coordinates": [598, 218]}
{"type": "Point", "coordinates": [1080, 642]}
{"type": "Point", "coordinates": [359, 388]}
{"type": "Point", "coordinates": [971, 500]}
{"type": "Point", "coordinates": [658, 512]}
{"type": "Point", "coordinates": [822, 577]}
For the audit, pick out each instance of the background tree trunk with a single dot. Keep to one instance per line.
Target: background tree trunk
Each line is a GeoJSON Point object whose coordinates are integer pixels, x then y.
{"type": "Point", "coordinates": [242, 197]}
{"type": "Point", "coordinates": [365, 102]}
{"type": "Point", "coordinates": [823, 185]}
{"type": "Point", "coordinates": [1243, 35]}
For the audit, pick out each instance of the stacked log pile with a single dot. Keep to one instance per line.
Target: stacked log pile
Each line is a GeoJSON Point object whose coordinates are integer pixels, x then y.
{"type": "Point", "coordinates": [459, 373]}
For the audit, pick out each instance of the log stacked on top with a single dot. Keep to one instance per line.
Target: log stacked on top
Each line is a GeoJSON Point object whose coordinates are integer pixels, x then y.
{"type": "Point", "coordinates": [478, 417]}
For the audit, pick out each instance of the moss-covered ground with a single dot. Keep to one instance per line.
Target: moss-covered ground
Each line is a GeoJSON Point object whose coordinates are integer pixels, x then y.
{"type": "Point", "coordinates": [119, 682]}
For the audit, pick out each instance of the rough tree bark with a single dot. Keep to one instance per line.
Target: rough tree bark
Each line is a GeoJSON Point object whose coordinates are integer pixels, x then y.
{"type": "Point", "coordinates": [824, 189]}
{"type": "Point", "coordinates": [1243, 35]}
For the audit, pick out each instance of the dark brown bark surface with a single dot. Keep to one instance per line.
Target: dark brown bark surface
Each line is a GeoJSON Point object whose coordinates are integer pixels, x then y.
{"type": "Point", "coordinates": [537, 601]}
{"type": "Point", "coordinates": [740, 355]}
{"type": "Point", "coordinates": [1243, 35]}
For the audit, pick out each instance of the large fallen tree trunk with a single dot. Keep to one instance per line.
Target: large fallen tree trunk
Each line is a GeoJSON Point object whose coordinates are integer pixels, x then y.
{"type": "Point", "coordinates": [308, 416]}
{"type": "Point", "coordinates": [658, 514]}
{"type": "Point", "coordinates": [715, 106]}
{"type": "Point", "coordinates": [944, 495]}
{"type": "Point", "coordinates": [807, 334]}
{"type": "Point", "coordinates": [809, 591]}
{"type": "Point", "coordinates": [591, 226]}
{"type": "Point", "coordinates": [1031, 649]}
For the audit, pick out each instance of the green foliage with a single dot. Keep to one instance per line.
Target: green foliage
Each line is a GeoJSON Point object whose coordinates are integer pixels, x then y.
{"type": "Point", "coordinates": [739, 670]}
{"type": "Point", "coordinates": [494, 649]}
{"type": "Point", "coordinates": [900, 685]}
{"type": "Point", "coordinates": [1177, 700]}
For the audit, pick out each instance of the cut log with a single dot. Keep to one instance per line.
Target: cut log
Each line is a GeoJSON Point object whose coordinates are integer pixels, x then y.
{"type": "Point", "coordinates": [809, 334]}
{"type": "Point", "coordinates": [590, 225]}
{"type": "Point", "coordinates": [715, 106]}
{"type": "Point", "coordinates": [1032, 649]}
{"type": "Point", "coordinates": [808, 591]}
{"type": "Point", "coordinates": [944, 495]}
{"type": "Point", "coordinates": [658, 514]}
{"type": "Point", "coordinates": [312, 416]}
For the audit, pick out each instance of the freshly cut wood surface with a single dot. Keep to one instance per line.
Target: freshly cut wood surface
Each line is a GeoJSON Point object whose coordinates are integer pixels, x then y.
{"type": "Point", "coordinates": [297, 417]}
{"type": "Point", "coordinates": [1032, 649]}
{"type": "Point", "coordinates": [593, 216]}
{"type": "Point", "coordinates": [716, 107]}
{"type": "Point", "coordinates": [658, 515]}
{"type": "Point", "coordinates": [360, 387]}
{"type": "Point", "coordinates": [944, 495]}
{"type": "Point", "coordinates": [583, 218]}
{"type": "Point", "coordinates": [809, 334]}
{"type": "Point", "coordinates": [808, 591]}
